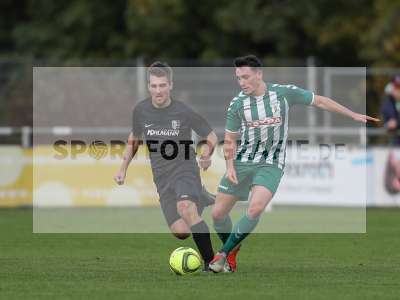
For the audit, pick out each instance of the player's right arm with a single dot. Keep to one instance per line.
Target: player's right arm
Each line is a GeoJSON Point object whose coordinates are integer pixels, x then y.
{"type": "Point", "coordinates": [229, 154]}
{"type": "Point", "coordinates": [232, 129]}
{"type": "Point", "coordinates": [130, 151]}
{"type": "Point", "coordinates": [132, 145]}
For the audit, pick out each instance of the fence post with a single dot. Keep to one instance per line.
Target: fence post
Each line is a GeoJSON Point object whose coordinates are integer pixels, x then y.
{"type": "Point", "coordinates": [327, 93]}
{"type": "Point", "coordinates": [312, 86]}
{"type": "Point", "coordinates": [26, 136]}
{"type": "Point", "coordinates": [140, 78]}
{"type": "Point", "coordinates": [363, 136]}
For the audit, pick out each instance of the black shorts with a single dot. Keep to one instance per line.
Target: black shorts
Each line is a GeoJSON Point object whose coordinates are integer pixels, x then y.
{"type": "Point", "coordinates": [184, 184]}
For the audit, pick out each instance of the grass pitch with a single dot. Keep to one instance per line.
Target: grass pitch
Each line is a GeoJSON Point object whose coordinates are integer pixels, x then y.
{"type": "Point", "coordinates": [135, 266]}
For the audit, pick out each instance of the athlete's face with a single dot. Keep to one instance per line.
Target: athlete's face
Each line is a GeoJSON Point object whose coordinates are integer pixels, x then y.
{"type": "Point", "coordinates": [249, 79]}
{"type": "Point", "coordinates": [159, 89]}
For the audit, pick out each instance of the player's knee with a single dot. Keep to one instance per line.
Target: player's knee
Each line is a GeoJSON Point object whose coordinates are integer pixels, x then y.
{"type": "Point", "coordinates": [181, 235]}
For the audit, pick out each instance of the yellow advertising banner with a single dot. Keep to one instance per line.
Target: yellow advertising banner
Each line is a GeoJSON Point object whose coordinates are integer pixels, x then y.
{"type": "Point", "coordinates": [47, 176]}
{"type": "Point", "coordinates": [15, 176]}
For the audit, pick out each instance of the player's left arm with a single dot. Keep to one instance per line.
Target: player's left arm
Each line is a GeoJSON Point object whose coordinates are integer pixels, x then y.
{"type": "Point", "coordinates": [328, 104]}
{"type": "Point", "coordinates": [208, 150]}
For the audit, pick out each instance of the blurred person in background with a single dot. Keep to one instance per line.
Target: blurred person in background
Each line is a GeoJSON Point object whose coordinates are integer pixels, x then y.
{"type": "Point", "coordinates": [391, 109]}
{"type": "Point", "coordinates": [391, 117]}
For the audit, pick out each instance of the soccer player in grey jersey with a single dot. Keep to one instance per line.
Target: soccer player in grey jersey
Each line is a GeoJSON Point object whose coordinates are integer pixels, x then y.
{"type": "Point", "coordinates": [166, 125]}
{"type": "Point", "coordinates": [259, 116]}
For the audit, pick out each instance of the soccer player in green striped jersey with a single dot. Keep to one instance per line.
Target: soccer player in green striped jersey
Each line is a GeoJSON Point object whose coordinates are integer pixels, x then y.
{"type": "Point", "coordinates": [259, 116]}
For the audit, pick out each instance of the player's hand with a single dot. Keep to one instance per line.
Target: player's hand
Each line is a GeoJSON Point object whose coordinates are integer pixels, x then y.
{"type": "Point", "coordinates": [231, 175]}
{"type": "Point", "coordinates": [119, 177]}
{"type": "Point", "coordinates": [204, 163]}
{"type": "Point", "coordinates": [364, 118]}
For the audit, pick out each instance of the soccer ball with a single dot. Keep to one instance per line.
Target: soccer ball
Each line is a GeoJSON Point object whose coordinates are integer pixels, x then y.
{"type": "Point", "coordinates": [184, 260]}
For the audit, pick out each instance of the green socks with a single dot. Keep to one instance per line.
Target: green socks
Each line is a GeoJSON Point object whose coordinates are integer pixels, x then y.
{"type": "Point", "coordinates": [223, 228]}
{"type": "Point", "coordinates": [239, 233]}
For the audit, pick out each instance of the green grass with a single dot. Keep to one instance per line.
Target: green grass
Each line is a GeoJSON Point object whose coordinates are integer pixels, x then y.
{"type": "Point", "coordinates": [282, 219]}
{"type": "Point", "coordinates": [134, 266]}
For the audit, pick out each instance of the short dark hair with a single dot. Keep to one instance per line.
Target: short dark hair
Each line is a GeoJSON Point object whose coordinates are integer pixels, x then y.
{"type": "Point", "coordinates": [160, 69]}
{"type": "Point", "coordinates": [251, 61]}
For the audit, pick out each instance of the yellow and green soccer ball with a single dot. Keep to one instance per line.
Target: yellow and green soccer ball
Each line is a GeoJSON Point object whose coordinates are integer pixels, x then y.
{"type": "Point", "coordinates": [184, 260]}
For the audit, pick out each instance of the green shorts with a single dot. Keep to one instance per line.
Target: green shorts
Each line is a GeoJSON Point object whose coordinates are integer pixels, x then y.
{"type": "Point", "coordinates": [248, 174]}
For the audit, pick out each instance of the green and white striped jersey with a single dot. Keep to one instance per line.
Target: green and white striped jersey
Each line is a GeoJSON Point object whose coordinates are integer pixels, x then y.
{"type": "Point", "coordinates": [263, 122]}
